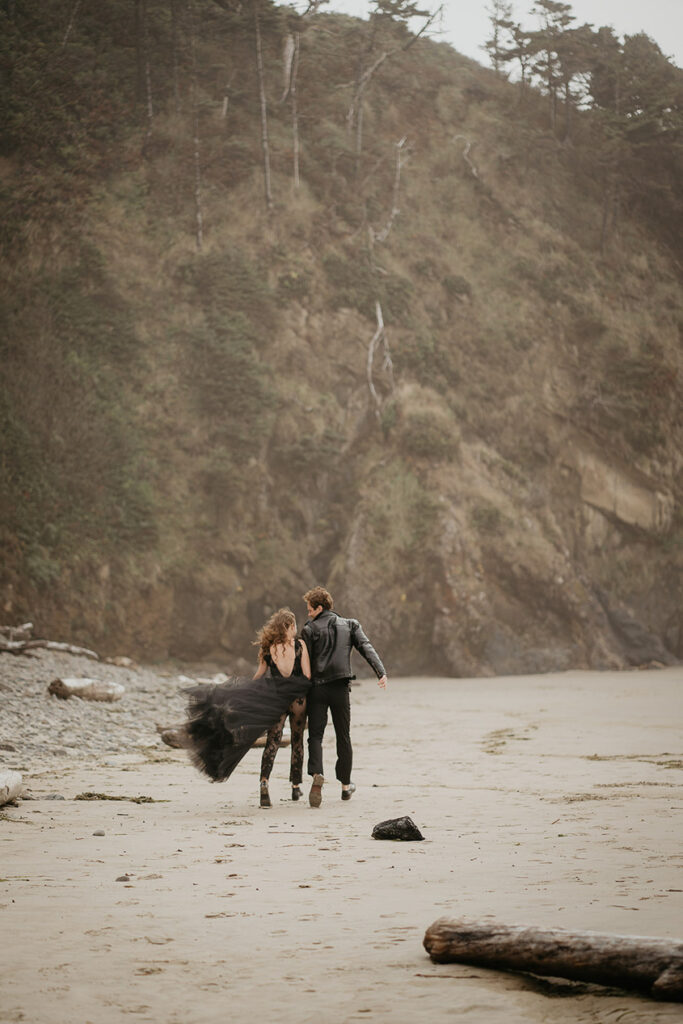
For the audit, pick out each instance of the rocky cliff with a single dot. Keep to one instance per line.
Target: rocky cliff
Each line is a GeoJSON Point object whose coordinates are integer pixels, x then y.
{"type": "Point", "coordinates": [199, 426]}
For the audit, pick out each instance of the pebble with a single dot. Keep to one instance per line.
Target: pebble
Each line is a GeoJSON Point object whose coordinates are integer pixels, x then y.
{"type": "Point", "coordinates": [35, 726]}
{"type": "Point", "coordinates": [99, 832]}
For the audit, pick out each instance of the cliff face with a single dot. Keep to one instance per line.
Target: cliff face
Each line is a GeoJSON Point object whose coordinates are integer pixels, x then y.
{"type": "Point", "coordinates": [193, 438]}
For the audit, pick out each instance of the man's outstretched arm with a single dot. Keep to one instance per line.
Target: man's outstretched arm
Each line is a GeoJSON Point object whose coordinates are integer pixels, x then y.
{"type": "Point", "coordinates": [364, 647]}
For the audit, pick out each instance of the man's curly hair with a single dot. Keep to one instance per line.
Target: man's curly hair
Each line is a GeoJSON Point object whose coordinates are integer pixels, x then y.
{"type": "Point", "coordinates": [319, 596]}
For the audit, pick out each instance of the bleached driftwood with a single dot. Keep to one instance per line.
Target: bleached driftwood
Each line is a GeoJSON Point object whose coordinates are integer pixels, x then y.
{"type": "Point", "coordinates": [22, 632]}
{"type": "Point", "coordinates": [83, 652]}
{"type": "Point", "coordinates": [628, 961]}
{"type": "Point", "coordinates": [87, 689]}
{"type": "Point", "coordinates": [11, 786]}
{"type": "Point", "coordinates": [23, 646]}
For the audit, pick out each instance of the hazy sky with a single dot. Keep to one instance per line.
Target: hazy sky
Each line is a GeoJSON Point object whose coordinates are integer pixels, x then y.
{"type": "Point", "coordinates": [466, 23]}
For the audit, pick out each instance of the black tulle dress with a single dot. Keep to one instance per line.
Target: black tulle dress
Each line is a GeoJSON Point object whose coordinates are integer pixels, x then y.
{"type": "Point", "coordinates": [226, 719]}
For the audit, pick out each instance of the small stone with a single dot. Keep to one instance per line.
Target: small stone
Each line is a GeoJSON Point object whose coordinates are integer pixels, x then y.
{"type": "Point", "coordinates": [397, 828]}
{"type": "Point", "coordinates": [99, 832]}
{"type": "Point", "coordinates": [8, 746]}
{"type": "Point", "coordinates": [121, 662]}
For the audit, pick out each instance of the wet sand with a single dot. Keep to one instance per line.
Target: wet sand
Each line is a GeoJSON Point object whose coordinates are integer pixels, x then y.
{"type": "Point", "coordinates": [552, 800]}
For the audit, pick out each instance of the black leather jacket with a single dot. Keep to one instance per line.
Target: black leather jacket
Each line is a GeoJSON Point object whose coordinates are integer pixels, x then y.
{"type": "Point", "coordinates": [330, 640]}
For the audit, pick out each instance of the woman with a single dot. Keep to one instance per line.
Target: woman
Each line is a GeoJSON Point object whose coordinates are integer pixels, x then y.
{"type": "Point", "coordinates": [226, 719]}
{"type": "Point", "coordinates": [286, 658]}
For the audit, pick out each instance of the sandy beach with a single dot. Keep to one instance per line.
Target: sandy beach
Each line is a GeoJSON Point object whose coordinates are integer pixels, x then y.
{"type": "Point", "coordinates": [553, 800]}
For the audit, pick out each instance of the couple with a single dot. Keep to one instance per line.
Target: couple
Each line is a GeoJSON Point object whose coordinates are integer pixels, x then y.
{"type": "Point", "coordinates": [226, 719]}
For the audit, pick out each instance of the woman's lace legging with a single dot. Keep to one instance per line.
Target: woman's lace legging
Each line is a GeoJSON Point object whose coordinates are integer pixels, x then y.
{"type": "Point", "coordinates": [297, 721]}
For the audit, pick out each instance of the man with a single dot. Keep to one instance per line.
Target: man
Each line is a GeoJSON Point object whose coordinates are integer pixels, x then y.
{"type": "Point", "coordinates": [330, 640]}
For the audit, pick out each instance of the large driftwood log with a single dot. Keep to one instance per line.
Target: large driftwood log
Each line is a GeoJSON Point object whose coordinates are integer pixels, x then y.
{"type": "Point", "coordinates": [87, 689]}
{"type": "Point", "coordinates": [639, 962]}
{"type": "Point", "coordinates": [11, 786]}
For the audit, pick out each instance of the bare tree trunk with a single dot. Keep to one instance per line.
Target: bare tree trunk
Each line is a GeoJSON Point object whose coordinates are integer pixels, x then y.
{"type": "Point", "coordinates": [291, 69]}
{"type": "Point", "coordinates": [371, 357]}
{"type": "Point", "coordinates": [381, 236]}
{"type": "Point", "coordinates": [466, 154]}
{"type": "Point", "coordinates": [295, 109]}
{"type": "Point", "coordinates": [606, 202]}
{"type": "Point", "coordinates": [147, 75]}
{"type": "Point", "coordinates": [567, 111]}
{"type": "Point", "coordinates": [74, 12]}
{"type": "Point", "coordinates": [359, 136]}
{"type": "Point", "coordinates": [355, 112]}
{"type": "Point", "coordinates": [199, 217]}
{"type": "Point", "coordinates": [379, 335]}
{"type": "Point", "coordinates": [174, 44]}
{"type": "Point", "coordinates": [148, 86]}
{"type": "Point", "coordinates": [264, 111]}
{"type": "Point", "coordinates": [139, 59]}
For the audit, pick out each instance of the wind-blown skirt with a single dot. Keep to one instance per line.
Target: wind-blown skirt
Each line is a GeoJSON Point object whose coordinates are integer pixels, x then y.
{"type": "Point", "coordinates": [226, 719]}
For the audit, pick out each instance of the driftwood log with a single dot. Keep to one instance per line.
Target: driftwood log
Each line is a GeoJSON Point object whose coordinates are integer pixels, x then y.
{"type": "Point", "coordinates": [11, 786]}
{"type": "Point", "coordinates": [175, 736]}
{"type": "Point", "coordinates": [87, 689]}
{"type": "Point", "coordinates": [26, 646]}
{"type": "Point", "coordinates": [651, 965]}
{"type": "Point", "coordinates": [22, 632]}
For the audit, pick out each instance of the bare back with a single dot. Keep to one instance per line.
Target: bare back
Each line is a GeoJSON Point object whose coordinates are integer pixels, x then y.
{"type": "Point", "coordinates": [284, 656]}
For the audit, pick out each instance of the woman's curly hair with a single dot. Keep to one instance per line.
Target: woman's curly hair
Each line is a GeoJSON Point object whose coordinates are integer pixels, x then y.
{"type": "Point", "coordinates": [275, 630]}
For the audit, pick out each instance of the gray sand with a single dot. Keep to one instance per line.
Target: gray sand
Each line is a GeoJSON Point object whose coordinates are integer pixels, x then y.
{"type": "Point", "coordinates": [552, 800]}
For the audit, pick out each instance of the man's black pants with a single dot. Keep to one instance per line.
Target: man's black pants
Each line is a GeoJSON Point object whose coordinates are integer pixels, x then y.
{"type": "Point", "coordinates": [336, 697]}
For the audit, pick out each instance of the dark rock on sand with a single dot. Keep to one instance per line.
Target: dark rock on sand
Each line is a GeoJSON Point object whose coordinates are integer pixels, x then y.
{"type": "Point", "coordinates": [397, 828]}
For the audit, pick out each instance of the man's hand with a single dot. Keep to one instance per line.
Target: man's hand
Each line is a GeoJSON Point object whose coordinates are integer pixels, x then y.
{"type": "Point", "coordinates": [382, 683]}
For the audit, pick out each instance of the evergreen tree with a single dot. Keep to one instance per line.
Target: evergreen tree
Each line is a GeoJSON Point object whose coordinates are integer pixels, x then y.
{"type": "Point", "coordinates": [555, 19]}
{"type": "Point", "coordinates": [575, 54]}
{"type": "Point", "coordinates": [500, 17]}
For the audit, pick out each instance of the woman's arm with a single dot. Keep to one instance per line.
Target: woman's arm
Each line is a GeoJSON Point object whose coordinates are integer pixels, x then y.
{"type": "Point", "coordinates": [305, 661]}
{"type": "Point", "coordinates": [261, 670]}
